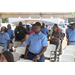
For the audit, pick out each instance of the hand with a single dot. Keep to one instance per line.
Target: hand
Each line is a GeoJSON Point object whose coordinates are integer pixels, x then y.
{"type": "Point", "coordinates": [48, 40]}
{"type": "Point", "coordinates": [35, 59]}
{"type": "Point", "coordinates": [7, 47]}
{"type": "Point", "coordinates": [53, 37]}
{"type": "Point", "coordinates": [24, 56]}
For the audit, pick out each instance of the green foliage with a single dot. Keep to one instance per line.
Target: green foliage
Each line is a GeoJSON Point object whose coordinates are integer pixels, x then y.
{"type": "Point", "coordinates": [4, 20]}
{"type": "Point", "coordinates": [72, 13]}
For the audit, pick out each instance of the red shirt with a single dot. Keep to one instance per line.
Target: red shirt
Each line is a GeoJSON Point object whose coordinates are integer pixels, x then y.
{"type": "Point", "coordinates": [31, 32]}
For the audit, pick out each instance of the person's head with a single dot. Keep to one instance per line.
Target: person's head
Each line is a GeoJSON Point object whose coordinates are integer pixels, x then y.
{"type": "Point", "coordinates": [55, 28]}
{"type": "Point", "coordinates": [7, 56]}
{"type": "Point", "coordinates": [3, 29]}
{"type": "Point", "coordinates": [73, 26]}
{"type": "Point", "coordinates": [20, 24]}
{"type": "Point", "coordinates": [37, 27]}
{"type": "Point", "coordinates": [46, 26]}
{"type": "Point", "coordinates": [9, 26]}
{"type": "Point", "coordinates": [43, 25]}
{"type": "Point", "coordinates": [55, 25]}
{"type": "Point", "coordinates": [33, 26]}
{"type": "Point", "coordinates": [27, 26]}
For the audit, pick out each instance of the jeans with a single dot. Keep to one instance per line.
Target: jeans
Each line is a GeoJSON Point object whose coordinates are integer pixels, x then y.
{"type": "Point", "coordinates": [4, 47]}
{"type": "Point", "coordinates": [30, 56]}
{"type": "Point", "coordinates": [11, 47]}
{"type": "Point", "coordinates": [71, 43]}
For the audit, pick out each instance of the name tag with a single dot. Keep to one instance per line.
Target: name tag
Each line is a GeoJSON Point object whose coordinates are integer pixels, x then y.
{"type": "Point", "coordinates": [18, 32]}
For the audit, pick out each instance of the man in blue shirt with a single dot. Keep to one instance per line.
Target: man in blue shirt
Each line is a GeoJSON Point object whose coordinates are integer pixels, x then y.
{"type": "Point", "coordinates": [45, 30]}
{"type": "Point", "coordinates": [10, 32]}
{"type": "Point", "coordinates": [36, 45]}
{"type": "Point", "coordinates": [72, 35]}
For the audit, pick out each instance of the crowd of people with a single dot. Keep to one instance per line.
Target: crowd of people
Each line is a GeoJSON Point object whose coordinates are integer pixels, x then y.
{"type": "Point", "coordinates": [37, 42]}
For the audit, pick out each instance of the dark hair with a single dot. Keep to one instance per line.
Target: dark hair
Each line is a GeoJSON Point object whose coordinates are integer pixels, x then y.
{"type": "Point", "coordinates": [55, 25]}
{"type": "Point", "coordinates": [5, 30]}
{"type": "Point", "coordinates": [38, 24]}
{"type": "Point", "coordinates": [8, 56]}
{"type": "Point", "coordinates": [10, 26]}
{"type": "Point", "coordinates": [28, 27]}
{"type": "Point", "coordinates": [43, 23]}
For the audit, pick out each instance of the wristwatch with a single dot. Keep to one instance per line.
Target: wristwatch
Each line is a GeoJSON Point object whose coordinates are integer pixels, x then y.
{"type": "Point", "coordinates": [38, 56]}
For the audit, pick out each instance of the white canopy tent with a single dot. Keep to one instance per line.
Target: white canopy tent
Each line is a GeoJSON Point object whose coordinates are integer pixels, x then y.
{"type": "Point", "coordinates": [36, 14]}
{"type": "Point", "coordinates": [23, 20]}
{"type": "Point", "coordinates": [50, 21]}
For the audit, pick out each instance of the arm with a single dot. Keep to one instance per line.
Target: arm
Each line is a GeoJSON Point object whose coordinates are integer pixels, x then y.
{"type": "Point", "coordinates": [48, 37]}
{"type": "Point", "coordinates": [28, 43]}
{"type": "Point", "coordinates": [25, 31]}
{"type": "Point", "coordinates": [12, 35]}
{"type": "Point", "coordinates": [40, 53]}
{"type": "Point", "coordinates": [8, 44]}
{"type": "Point", "coordinates": [26, 51]}
{"type": "Point", "coordinates": [57, 38]}
{"type": "Point", "coordinates": [26, 37]}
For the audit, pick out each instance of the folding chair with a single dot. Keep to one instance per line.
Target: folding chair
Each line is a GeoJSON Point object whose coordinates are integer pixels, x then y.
{"type": "Point", "coordinates": [70, 47]}
{"type": "Point", "coordinates": [68, 52]}
{"type": "Point", "coordinates": [66, 58]}
{"type": "Point", "coordinates": [25, 60]}
{"type": "Point", "coordinates": [52, 48]}
{"type": "Point", "coordinates": [16, 56]}
{"type": "Point", "coordinates": [1, 49]}
{"type": "Point", "coordinates": [20, 50]}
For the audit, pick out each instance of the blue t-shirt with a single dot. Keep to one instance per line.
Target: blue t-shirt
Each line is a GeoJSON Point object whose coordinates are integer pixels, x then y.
{"type": "Point", "coordinates": [11, 33]}
{"type": "Point", "coordinates": [72, 35]}
{"type": "Point", "coordinates": [24, 44]}
{"type": "Point", "coordinates": [36, 42]}
{"type": "Point", "coordinates": [45, 30]}
{"type": "Point", "coordinates": [4, 37]}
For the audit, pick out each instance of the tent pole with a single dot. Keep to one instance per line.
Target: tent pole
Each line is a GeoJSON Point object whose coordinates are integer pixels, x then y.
{"type": "Point", "coordinates": [25, 21]}
{"type": "Point", "coordinates": [0, 20]}
{"type": "Point", "coordinates": [41, 20]}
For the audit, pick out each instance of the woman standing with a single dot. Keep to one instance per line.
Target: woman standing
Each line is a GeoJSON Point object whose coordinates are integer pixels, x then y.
{"type": "Point", "coordinates": [4, 39]}
{"type": "Point", "coordinates": [55, 38]}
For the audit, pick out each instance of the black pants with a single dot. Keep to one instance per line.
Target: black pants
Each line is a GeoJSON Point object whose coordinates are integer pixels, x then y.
{"type": "Point", "coordinates": [11, 47]}
{"type": "Point", "coordinates": [57, 44]}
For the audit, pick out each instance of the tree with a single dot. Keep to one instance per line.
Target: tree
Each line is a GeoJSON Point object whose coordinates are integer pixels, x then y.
{"type": "Point", "coordinates": [4, 20]}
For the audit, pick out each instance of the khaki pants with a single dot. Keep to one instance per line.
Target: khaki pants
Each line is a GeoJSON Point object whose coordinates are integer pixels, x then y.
{"type": "Point", "coordinates": [21, 40]}
{"type": "Point", "coordinates": [24, 39]}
